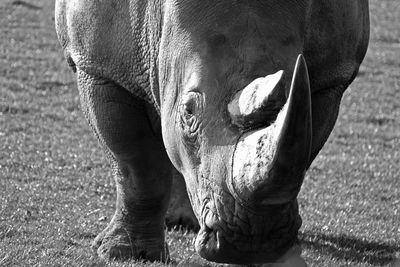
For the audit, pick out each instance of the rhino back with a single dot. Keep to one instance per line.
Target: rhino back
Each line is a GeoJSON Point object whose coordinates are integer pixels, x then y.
{"type": "Point", "coordinates": [110, 40]}
{"type": "Point", "coordinates": [337, 35]}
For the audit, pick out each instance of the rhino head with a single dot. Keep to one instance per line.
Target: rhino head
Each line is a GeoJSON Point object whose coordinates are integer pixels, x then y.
{"type": "Point", "coordinates": [236, 120]}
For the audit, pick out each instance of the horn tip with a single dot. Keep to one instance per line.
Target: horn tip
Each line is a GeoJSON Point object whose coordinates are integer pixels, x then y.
{"type": "Point", "coordinates": [301, 63]}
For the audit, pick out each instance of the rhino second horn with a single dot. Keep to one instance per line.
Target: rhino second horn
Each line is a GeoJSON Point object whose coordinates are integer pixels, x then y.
{"type": "Point", "coordinates": [262, 98]}
{"type": "Point", "coordinates": [269, 163]}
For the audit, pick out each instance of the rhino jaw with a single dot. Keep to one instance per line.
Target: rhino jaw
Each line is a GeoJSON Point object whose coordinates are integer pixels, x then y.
{"type": "Point", "coordinates": [269, 164]}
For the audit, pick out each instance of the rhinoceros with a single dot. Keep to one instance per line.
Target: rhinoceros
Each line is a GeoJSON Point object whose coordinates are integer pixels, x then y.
{"type": "Point", "coordinates": [236, 96]}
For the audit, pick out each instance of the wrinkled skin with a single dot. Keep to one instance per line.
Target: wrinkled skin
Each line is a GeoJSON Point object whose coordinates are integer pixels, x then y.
{"type": "Point", "coordinates": [156, 78]}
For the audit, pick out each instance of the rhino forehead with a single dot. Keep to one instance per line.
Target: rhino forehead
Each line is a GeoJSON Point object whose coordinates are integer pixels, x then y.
{"type": "Point", "coordinates": [258, 37]}
{"type": "Point", "coordinates": [202, 16]}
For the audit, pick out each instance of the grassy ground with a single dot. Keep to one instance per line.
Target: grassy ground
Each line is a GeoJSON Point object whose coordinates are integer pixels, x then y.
{"type": "Point", "coordinates": [56, 193]}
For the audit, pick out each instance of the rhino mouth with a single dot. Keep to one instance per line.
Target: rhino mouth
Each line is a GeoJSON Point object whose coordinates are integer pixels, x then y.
{"type": "Point", "coordinates": [264, 238]}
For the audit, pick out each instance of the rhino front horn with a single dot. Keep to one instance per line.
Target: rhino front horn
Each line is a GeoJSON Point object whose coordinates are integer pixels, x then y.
{"type": "Point", "coordinates": [269, 163]}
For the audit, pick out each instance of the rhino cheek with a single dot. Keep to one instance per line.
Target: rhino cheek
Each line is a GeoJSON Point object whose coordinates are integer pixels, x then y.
{"type": "Point", "coordinates": [172, 137]}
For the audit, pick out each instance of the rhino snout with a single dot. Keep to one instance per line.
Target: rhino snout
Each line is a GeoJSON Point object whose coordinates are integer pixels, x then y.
{"type": "Point", "coordinates": [248, 237]}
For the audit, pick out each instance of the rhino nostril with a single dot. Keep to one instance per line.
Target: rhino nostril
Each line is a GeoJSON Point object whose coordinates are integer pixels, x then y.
{"type": "Point", "coordinates": [210, 220]}
{"type": "Point", "coordinates": [207, 242]}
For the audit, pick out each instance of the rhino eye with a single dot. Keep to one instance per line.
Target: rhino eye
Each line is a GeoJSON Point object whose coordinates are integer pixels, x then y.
{"type": "Point", "coordinates": [191, 107]}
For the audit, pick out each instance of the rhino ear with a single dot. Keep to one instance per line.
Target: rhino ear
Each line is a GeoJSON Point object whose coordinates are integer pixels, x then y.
{"type": "Point", "coordinates": [259, 102]}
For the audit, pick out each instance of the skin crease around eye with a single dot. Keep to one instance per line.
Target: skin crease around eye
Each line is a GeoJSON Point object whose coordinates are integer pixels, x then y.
{"type": "Point", "coordinates": [190, 113]}
{"type": "Point", "coordinates": [191, 108]}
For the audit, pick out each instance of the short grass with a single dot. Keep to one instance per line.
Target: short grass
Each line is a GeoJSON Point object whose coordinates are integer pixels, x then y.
{"type": "Point", "coordinates": [56, 193]}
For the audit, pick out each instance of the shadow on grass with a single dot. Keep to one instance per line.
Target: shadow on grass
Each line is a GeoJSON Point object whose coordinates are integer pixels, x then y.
{"type": "Point", "coordinates": [350, 248]}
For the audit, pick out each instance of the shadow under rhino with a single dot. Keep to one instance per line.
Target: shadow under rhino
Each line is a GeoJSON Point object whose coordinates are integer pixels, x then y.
{"type": "Point", "coordinates": [350, 248]}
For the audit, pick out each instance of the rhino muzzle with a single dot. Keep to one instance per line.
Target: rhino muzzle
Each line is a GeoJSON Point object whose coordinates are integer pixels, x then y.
{"type": "Point", "coordinates": [246, 237]}
{"type": "Point", "coordinates": [269, 164]}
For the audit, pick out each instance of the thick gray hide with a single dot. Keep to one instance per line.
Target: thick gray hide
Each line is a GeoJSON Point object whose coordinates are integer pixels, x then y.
{"type": "Point", "coordinates": [182, 85]}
